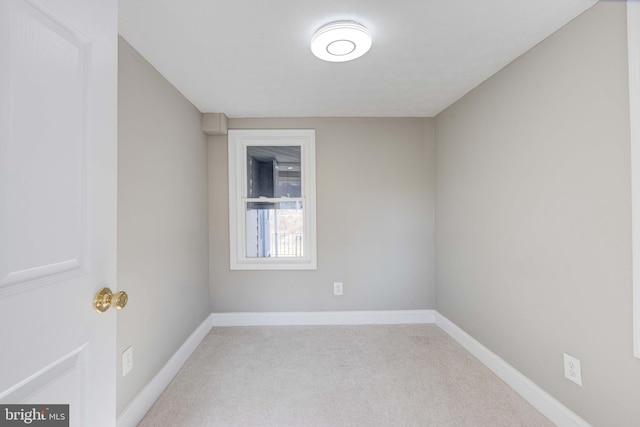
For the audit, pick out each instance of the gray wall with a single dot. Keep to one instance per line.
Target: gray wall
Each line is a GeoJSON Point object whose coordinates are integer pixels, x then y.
{"type": "Point", "coordinates": [162, 220]}
{"type": "Point", "coordinates": [533, 235]}
{"type": "Point", "coordinates": [375, 183]}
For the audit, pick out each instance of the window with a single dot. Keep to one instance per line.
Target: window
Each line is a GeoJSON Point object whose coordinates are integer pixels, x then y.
{"type": "Point", "coordinates": [272, 199]}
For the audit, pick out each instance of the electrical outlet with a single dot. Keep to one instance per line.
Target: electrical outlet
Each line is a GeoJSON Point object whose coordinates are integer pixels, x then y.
{"type": "Point", "coordinates": [337, 288]}
{"type": "Point", "coordinates": [127, 361]}
{"type": "Point", "coordinates": [572, 369]}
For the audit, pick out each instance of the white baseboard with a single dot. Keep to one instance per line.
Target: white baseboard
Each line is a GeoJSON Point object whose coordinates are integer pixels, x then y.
{"type": "Point", "coordinates": [137, 409]}
{"type": "Point", "coordinates": [385, 317]}
{"type": "Point", "coordinates": [537, 397]}
{"type": "Point", "coordinates": [559, 414]}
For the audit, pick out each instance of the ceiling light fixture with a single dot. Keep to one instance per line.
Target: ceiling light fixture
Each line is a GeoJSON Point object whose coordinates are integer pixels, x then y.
{"type": "Point", "coordinates": [341, 41]}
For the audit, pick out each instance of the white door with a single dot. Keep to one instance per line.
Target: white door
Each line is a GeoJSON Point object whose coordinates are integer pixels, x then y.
{"type": "Point", "coordinates": [58, 139]}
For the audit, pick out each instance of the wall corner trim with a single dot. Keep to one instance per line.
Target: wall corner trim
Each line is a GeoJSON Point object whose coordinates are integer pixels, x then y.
{"type": "Point", "coordinates": [139, 407]}
{"type": "Point", "coordinates": [214, 123]}
{"type": "Point", "coordinates": [549, 406]}
{"type": "Point", "coordinates": [633, 46]}
{"type": "Point", "coordinates": [384, 317]}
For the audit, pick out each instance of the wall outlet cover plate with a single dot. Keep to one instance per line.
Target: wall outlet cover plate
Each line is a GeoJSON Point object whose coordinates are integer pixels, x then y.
{"type": "Point", "coordinates": [572, 369]}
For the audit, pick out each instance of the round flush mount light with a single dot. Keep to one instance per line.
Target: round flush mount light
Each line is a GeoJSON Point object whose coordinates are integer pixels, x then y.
{"type": "Point", "coordinates": [341, 41]}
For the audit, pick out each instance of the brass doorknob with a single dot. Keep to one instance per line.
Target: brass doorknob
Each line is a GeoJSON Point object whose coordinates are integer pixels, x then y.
{"type": "Point", "coordinates": [105, 298]}
{"type": "Point", "coordinates": [121, 299]}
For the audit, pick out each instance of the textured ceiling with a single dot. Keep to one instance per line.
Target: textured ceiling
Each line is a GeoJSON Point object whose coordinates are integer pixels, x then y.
{"type": "Point", "coordinates": [251, 58]}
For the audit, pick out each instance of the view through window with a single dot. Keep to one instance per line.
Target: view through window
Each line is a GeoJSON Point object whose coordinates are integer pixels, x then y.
{"type": "Point", "coordinates": [274, 206]}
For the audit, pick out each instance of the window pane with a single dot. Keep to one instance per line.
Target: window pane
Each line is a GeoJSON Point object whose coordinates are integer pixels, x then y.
{"type": "Point", "coordinates": [274, 230]}
{"type": "Point", "coordinates": [273, 171]}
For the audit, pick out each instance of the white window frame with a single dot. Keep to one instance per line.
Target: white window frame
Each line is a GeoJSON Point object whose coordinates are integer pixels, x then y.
{"type": "Point", "coordinates": [239, 140]}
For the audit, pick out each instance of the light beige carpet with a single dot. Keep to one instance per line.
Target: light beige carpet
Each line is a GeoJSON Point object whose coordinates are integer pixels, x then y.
{"type": "Point", "coordinates": [391, 375]}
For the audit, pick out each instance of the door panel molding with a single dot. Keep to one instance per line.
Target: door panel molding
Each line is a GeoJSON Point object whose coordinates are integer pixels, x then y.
{"type": "Point", "coordinates": [52, 213]}
{"type": "Point", "coordinates": [64, 377]}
